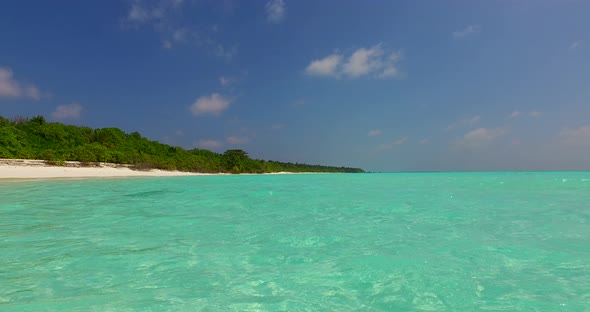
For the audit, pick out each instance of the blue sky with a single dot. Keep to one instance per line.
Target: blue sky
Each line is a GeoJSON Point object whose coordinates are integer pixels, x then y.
{"type": "Point", "coordinates": [381, 85]}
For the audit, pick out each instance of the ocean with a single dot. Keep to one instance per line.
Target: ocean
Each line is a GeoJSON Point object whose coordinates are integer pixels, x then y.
{"type": "Point", "coordinates": [310, 242]}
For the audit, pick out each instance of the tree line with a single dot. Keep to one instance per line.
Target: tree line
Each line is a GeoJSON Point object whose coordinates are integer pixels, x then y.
{"type": "Point", "coordinates": [35, 138]}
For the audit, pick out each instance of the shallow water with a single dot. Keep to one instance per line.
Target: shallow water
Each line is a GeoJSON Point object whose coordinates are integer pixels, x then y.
{"type": "Point", "coordinates": [341, 242]}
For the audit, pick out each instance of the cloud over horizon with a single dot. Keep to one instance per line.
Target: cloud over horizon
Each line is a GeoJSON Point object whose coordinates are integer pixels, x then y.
{"type": "Point", "coordinates": [518, 114]}
{"type": "Point", "coordinates": [576, 137]}
{"type": "Point", "coordinates": [375, 62]}
{"type": "Point", "coordinates": [535, 114]}
{"type": "Point", "coordinates": [213, 104]}
{"type": "Point", "coordinates": [391, 145]}
{"type": "Point", "coordinates": [167, 19]}
{"type": "Point", "coordinates": [467, 121]}
{"type": "Point", "coordinates": [481, 137]}
{"type": "Point", "coordinates": [224, 81]}
{"type": "Point", "coordinates": [326, 66]}
{"type": "Point", "coordinates": [470, 30]}
{"type": "Point", "coordinates": [69, 111]}
{"type": "Point", "coordinates": [9, 87]}
{"type": "Point", "coordinates": [275, 10]}
{"type": "Point", "coordinates": [237, 140]}
{"type": "Point", "coordinates": [514, 114]}
{"type": "Point", "coordinates": [208, 144]}
{"type": "Point", "coordinates": [375, 132]}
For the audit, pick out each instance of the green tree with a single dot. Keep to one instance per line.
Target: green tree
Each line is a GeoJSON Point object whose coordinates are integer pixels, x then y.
{"type": "Point", "coordinates": [4, 122]}
{"type": "Point", "coordinates": [9, 143]}
{"type": "Point", "coordinates": [35, 138]}
{"type": "Point", "coordinates": [109, 137]}
{"type": "Point", "coordinates": [233, 160]}
{"type": "Point", "coordinates": [39, 120]}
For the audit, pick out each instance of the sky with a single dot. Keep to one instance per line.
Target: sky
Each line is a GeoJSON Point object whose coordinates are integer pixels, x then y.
{"type": "Point", "coordinates": [380, 85]}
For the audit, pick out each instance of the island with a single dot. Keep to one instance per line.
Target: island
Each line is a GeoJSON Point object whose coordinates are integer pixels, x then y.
{"type": "Point", "coordinates": [58, 144]}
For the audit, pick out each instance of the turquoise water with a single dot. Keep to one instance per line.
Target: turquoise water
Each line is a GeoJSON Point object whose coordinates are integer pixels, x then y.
{"type": "Point", "coordinates": [342, 242]}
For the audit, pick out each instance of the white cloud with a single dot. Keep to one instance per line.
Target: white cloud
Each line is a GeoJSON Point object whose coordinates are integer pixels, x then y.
{"type": "Point", "coordinates": [209, 144]}
{"type": "Point", "coordinates": [577, 136]}
{"type": "Point", "coordinates": [138, 13]}
{"type": "Point", "coordinates": [236, 140]}
{"type": "Point", "coordinates": [180, 35]}
{"type": "Point", "coordinates": [468, 121]}
{"type": "Point", "coordinates": [514, 114]}
{"type": "Point", "coordinates": [483, 136]}
{"type": "Point", "coordinates": [179, 133]}
{"type": "Point", "coordinates": [162, 16]}
{"type": "Point", "coordinates": [390, 69]}
{"type": "Point", "coordinates": [244, 136]}
{"type": "Point", "coordinates": [71, 111]}
{"type": "Point", "coordinates": [298, 103]}
{"type": "Point", "coordinates": [167, 18]}
{"type": "Point", "coordinates": [575, 45]}
{"type": "Point", "coordinates": [424, 141]}
{"type": "Point", "coordinates": [535, 114]}
{"type": "Point", "coordinates": [166, 44]}
{"type": "Point", "coordinates": [391, 145]}
{"type": "Point", "coordinates": [324, 67]}
{"type": "Point", "coordinates": [275, 10]}
{"type": "Point", "coordinates": [33, 92]}
{"type": "Point", "coordinates": [400, 141]}
{"type": "Point", "coordinates": [224, 52]}
{"type": "Point", "coordinates": [173, 37]}
{"type": "Point", "coordinates": [532, 114]}
{"type": "Point", "coordinates": [278, 126]}
{"type": "Point", "coordinates": [470, 30]}
{"type": "Point", "coordinates": [9, 87]}
{"type": "Point", "coordinates": [375, 132]}
{"type": "Point", "coordinates": [364, 61]}
{"type": "Point", "coordinates": [225, 81]}
{"type": "Point", "coordinates": [213, 104]}
{"type": "Point", "coordinates": [472, 120]}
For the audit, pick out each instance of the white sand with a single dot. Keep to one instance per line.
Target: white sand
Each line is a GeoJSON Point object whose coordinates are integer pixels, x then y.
{"type": "Point", "coordinates": [37, 169]}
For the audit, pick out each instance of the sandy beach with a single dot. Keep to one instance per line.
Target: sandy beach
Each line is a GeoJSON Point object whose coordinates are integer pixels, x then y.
{"type": "Point", "coordinates": [39, 169]}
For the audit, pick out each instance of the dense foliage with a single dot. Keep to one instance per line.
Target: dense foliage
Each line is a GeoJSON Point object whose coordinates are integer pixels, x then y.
{"type": "Point", "coordinates": [55, 142]}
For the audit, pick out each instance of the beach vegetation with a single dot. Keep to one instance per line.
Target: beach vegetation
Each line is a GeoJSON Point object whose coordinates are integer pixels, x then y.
{"type": "Point", "coordinates": [36, 138]}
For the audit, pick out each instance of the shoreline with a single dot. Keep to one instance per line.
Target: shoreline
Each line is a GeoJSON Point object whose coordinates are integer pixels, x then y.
{"type": "Point", "coordinates": [12, 170]}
